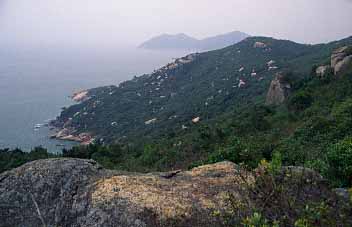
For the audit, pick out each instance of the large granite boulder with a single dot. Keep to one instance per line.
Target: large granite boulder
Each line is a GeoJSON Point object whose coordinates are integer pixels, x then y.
{"type": "Point", "coordinates": [343, 66]}
{"type": "Point", "coordinates": [279, 90]}
{"type": "Point", "coordinates": [47, 193]}
{"type": "Point", "coordinates": [74, 192]}
{"type": "Point", "coordinates": [341, 60]}
{"type": "Point", "coordinates": [79, 193]}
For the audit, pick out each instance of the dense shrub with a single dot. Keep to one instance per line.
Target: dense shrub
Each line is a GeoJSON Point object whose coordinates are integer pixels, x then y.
{"type": "Point", "coordinates": [230, 153]}
{"type": "Point", "coordinates": [343, 116]}
{"type": "Point", "coordinates": [10, 159]}
{"type": "Point", "coordinates": [284, 196]}
{"type": "Point", "coordinates": [300, 101]}
{"type": "Point", "coordinates": [339, 159]}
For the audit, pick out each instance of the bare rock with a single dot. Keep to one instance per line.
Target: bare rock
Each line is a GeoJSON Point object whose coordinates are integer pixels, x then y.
{"type": "Point", "coordinates": [279, 90]}
{"type": "Point", "coordinates": [338, 55]}
{"type": "Point", "coordinates": [322, 71]}
{"type": "Point", "coordinates": [80, 96]}
{"type": "Point", "coordinates": [75, 192]}
{"type": "Point", "coordinates": [259, 45]}
{"type": "Point", "coordinates": [343, 66]}
{"type": "Point", "coordinates": [341, 60]}
{"type": "Point", "coordinates": [63, 133]}
{"type": "Point", "coordinates": [46, 193]}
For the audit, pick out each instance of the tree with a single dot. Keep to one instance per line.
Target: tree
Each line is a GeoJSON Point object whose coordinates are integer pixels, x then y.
{"type": "Point", "coordinates": [300, 101]}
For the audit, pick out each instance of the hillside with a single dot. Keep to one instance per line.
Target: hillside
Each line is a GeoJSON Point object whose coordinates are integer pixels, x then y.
{"type": "Point", "coordinates": [198, 85]}
{"type": "Point", "coordinates": [183, 41]}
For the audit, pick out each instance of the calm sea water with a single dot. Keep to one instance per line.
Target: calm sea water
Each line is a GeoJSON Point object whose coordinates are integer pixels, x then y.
{"type": "Point", "coordinates": [35, 84]}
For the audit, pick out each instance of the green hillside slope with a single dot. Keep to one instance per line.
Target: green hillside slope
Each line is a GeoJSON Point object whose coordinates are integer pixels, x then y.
{"type": "Point", "coordinates": [199, 85]}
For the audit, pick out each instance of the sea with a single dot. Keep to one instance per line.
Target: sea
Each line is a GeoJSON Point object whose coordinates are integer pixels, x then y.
{"type": "Point", "coordinates": [35, 84]}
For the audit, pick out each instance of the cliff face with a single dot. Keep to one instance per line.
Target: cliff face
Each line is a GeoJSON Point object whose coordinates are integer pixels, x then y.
{"type": "Point", "coordinates": [73, 192]}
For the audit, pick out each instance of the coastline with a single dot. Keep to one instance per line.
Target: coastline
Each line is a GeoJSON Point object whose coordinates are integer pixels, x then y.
{"type": "Point", "coordinates": [68, 134]}
{"type": "Point", "coordinates": [65, 131]}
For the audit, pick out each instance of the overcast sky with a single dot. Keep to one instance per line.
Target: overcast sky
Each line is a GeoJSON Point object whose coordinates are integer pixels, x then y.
{"type": "Point", "coordinates": [122, 22]}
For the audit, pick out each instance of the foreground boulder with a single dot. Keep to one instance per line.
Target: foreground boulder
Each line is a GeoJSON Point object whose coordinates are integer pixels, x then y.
{"type": "Point", "coordinates": [75, 192]}
{"type": "Point", "coordinates": [47, 193]}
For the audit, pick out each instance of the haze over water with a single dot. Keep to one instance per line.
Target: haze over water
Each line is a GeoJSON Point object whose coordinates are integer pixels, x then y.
{"type": "Point", "coordinates": [35, 84]}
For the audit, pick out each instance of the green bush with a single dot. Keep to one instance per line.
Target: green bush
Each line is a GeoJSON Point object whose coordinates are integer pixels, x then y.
{"type": "Point", "coordinates": [300, 101]}
{"type": "Point", "coordinates": [10, 159]}
{"type": "Point", "coordinates": [342, 115]}
{"type": "Point", "coordinates": [257, 220]}
{"type": "Point", "coordinates": [228, 153]}
{"type": "Point", "coordinates": [339, 158]}
{"type": "Point", "coordinates": [150, 156]}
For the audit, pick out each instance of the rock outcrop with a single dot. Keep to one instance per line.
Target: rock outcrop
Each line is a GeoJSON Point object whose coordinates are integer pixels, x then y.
{"type": "Point", "coordinates": [69, 135]}
{"type": "Point", "coordinates": [80, 96]}
{"type": "Point", "coordinates": [322, 71]}
{"type": "Point", "coordinates": [279, 90]}
{"type": "Point", "coordinates": [259, 45]}
{"type": "Point", "coordinates": [74, 192]}
{"type": "Point", "coordinates": [80, 193]}
{"type": "Point", "coordinates": [341, 60]}
{"type": "Point", "coordinates": [343, 65]}
{"type": "Point", "coordinates": [47, 193]}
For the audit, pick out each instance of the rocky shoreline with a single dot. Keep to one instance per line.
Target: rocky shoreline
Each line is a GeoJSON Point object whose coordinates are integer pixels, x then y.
{"type": "Point", "coordinates": [64, 131]}
{"type": "Point", "coordinates": [68, 134]}
{"type": "Point", "coordinates": [80, 96]}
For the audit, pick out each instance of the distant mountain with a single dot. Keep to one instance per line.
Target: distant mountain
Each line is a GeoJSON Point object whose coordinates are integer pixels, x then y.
{"type": "Point", "coordinates": [166, 41]}
{"type": "Point", "coordinates": [183, 41]}
{"type": "Point", "coordinates": [220, 41]}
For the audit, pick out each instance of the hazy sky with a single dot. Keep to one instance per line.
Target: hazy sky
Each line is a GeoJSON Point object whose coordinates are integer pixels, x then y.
{"type": "Point", "coordinates": [122, 22]}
